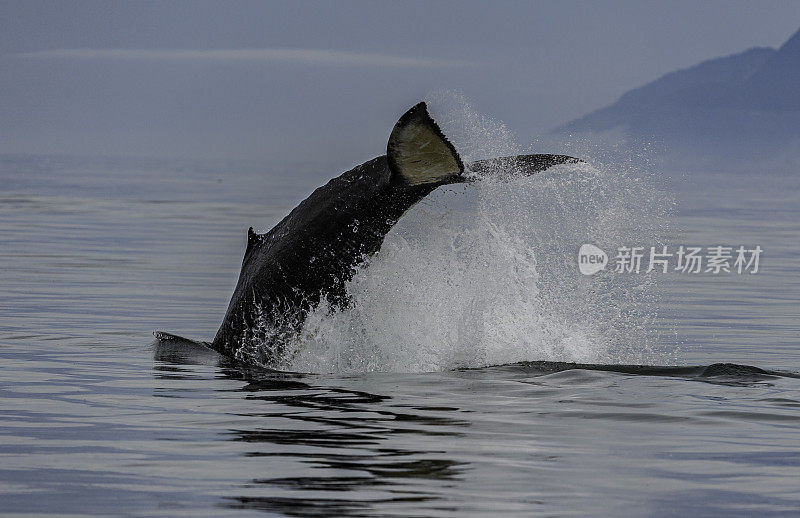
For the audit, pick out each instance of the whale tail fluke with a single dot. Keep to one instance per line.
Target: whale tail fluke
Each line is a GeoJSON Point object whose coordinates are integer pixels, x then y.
{"type": "Point", "coordinates": [519, 164]}
{"type": "Point", "coordinates": [419, 153]}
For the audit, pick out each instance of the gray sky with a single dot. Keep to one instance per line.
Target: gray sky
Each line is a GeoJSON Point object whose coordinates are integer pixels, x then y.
{"type": "Point", "coordinates": [326, 81]}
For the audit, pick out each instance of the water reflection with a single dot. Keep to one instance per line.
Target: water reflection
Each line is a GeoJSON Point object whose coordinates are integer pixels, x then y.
{"type": "Point", "coordinates": [317, 507]}
{"type": "Point", "coordinates": [309, 445]}
{"type": "Point", "coordinates": [350, 443]}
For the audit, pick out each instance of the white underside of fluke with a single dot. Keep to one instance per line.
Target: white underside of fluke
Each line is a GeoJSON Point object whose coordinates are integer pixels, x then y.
{"type": "Point", "coordinates": [419, 153]}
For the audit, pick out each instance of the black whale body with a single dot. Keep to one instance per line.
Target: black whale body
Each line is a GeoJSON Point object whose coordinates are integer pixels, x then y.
{"type": "Point", "coordinates": [313, 251]}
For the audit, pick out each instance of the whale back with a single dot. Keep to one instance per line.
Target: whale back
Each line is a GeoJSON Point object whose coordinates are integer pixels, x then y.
{"type": "Point", "coordinates": [313, 252]}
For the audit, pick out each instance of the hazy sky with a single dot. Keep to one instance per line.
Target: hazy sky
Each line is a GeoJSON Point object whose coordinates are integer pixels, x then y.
{"type": "Point", "coordinates": [326, 81]}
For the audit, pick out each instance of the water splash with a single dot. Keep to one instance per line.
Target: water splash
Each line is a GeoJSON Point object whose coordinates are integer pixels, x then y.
{"type": "Point", "coordinates": [476, 136]}
{"type": "Point", "coordinates": [485, 274]}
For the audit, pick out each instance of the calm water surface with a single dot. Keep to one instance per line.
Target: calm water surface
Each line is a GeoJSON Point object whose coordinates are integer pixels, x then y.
{"type": "Point", "coordinates": [95, 418]}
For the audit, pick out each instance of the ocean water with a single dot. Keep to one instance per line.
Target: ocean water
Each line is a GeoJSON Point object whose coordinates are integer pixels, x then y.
{"type": "Point", "coordinates": [441, 391]}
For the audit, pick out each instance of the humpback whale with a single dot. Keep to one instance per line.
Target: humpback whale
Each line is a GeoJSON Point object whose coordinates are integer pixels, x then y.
{"type": "Point", "coordinates": [313, 252]}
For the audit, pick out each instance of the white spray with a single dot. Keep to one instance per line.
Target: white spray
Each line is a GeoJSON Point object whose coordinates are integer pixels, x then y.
{"type": "Point", "coordinates": [486, 273]}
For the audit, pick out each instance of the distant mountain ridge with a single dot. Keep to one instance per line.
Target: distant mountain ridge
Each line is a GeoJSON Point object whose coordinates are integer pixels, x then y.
{"type": "Point", "coordinates": [746, 104]}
